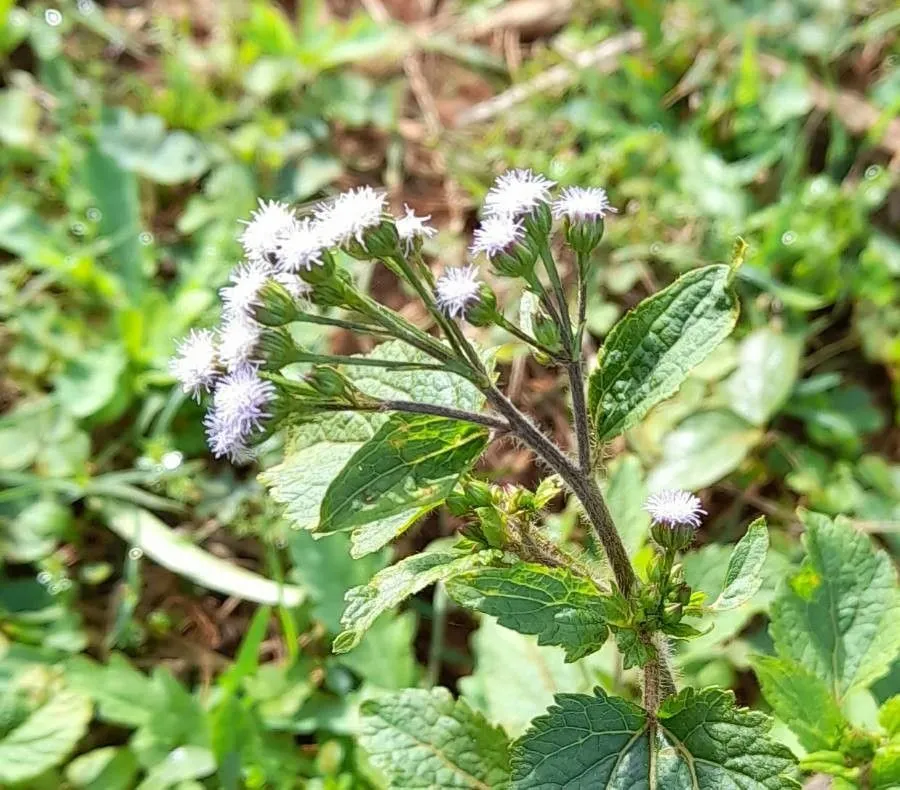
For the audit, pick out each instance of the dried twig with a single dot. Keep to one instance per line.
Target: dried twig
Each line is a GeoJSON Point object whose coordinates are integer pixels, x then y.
{"type": "Point", "coordinates": [602, 57]}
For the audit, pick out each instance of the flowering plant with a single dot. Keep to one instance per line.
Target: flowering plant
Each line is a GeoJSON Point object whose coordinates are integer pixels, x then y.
{"type": "Point", "coordinates": [375, 441]}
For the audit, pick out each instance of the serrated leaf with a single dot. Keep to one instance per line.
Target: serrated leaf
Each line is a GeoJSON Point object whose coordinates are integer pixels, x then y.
{"type": "Point", "coordinates": [426, 739]}
{"type": "Point", "coordinates": [700, 741]}
{"type": "Point", "coordinates": [802, 701]}
{"type": "Point", "coordinates": [395, 584]}
{"type": "Point", "coordinates": [635, 653]}
{"type": "Point", "coordinates": [413, 461]}
{"type": "Point", "coordinates": [743, 577]}
{"type": "Point", "coordinates": [45, 738]}
{"type": "Point", "coordinates": [649, 352]}
{"type": "Point", "coordinates": [317, 452]}
{"type": "Point", "coordinates": [839, 614]}
{"type": "Point", "coordinates": [551, 603]}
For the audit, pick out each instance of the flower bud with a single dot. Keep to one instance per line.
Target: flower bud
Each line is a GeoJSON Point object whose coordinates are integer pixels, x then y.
{"type": "Point", "coordinates": [583, 235]}
{"type": "Point", "coordinates": [276, 306]}
{"type": "Point", "coordinates": [483, 311]}
{"type": "Point", "coordinates": [538, 223]}
{"type": "Point", "coordinates": [330, 383]}
{"type": "Point", "coordinates": [315, 275]}
{"type": "Point", "coordinates": [277, 348]}
{"type": "Point", "coordinates": [672, 537]}
{"type": "Point", "coordinates": [546, 332]}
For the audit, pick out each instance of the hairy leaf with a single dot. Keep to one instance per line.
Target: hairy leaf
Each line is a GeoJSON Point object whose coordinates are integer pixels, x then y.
{"type": "Point", "coordinates": [395, 584]}
{"type": "Point", "coordinates": [743, 578]}
{"type": "Point", "coordinates": [839, 614]}
{"type": "Point", "coordinates": [317, 452]}
{"type": "Point", "coordinates": [414, 460]}
{"type": "Point", "coordinates": [559, 607]}
{"type": "Point", "coordinates": [700, 741]}
{"type": "Point", "coordinates": [650, 352]}
{"type": "Point", "coordinates": [45, 738]}
{"type": "Point", "coordinates": [802, 701]}
{"type": "Point", "coordinates": [426, 739]}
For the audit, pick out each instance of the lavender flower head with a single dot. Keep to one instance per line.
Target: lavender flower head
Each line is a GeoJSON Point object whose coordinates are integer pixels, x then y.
{"type": "Point", "coordinates": [578, 204]}
{"type": "Point", "coordinates": [238, 342]}
{"type": "Point", "coordinates": [267, 226]}
{"type": "Point", "coordinates": [300, 247]}
{"type": "Point", "coordinates": [239, 298]}
{"type": "Point", "coordinates": [496, 234]}
{"type": "Point", "coordinates": [675, 508]}
{"type": "Point", "coordinates": [349, 215]}
{"type": "Point", "coordinates": [517, 192]}
{"type": "Point", "coordinates": [195, 364]}
{"type": "Point", "coordinates": [456, 289]}
{"type": "Point", "coordinates": [239, 408]}
{"type": "Point", "coordinates": [410, 227]}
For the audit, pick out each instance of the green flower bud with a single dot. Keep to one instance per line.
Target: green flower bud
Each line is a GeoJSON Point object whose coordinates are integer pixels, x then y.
{"type": "Point", "coordinates": [546, 332]}
{"type": "Point", "coordinates": [483, 311]}
{"type": "Point", "coordinates": [276, 306]}
{"type": "Point", "coordinates": [317, 274]}
{"type": "Point", "coordinates": [277, 348]}
{"type": "Point", "coordinates": [583, 235]}
{"type": "Point", "coordinates": [675, 537]}
{"type": "Point", "coordinates": [330, 383]}
{"type": "Point", "coordinates": [538, 222]}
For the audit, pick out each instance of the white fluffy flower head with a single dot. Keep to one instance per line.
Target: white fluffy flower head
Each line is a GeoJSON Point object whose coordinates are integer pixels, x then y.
{"type": "Point", "coordinates": [674, 507]}
{"type": "Point", "coordinates": [266, 227]}
{"type": "Point", "coordinates": [410, 227]}
{"type": "Point", "coordinates": [238, 342]}
{"type": "Point", "coordinates": [239, 408]}
{"type": "Point", "coordinates": [496, 234]}
{"type": "Point", "coordinates": [517, 192]}
{"type": "Point", "coordinates": [456, 289]}
{"type": "Point", "coordinates": [300, 247]}
{"type": "Point", "coordinates": [242, 295]}
{"type": "Point", "coordinates": [578, 204]}
{"type": "Point", "coordinates": [349, 215]}
{"type": "Point", "coordinates": [195, 363]}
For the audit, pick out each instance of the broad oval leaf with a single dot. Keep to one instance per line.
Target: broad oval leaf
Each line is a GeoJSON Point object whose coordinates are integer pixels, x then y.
{"type": "Point", "coordinates": [699, 741]}
{"type": "Point", "coordinates": [396, 583]}
{"type": "Point", "coordinates": [552, 603]}
{"type": "Point", "coordinates": [801, 700]}
{"type": "Point", "coordinates": [413, 461]}
{"type": "Point", "coordinates": [839, 614]}
{"type": "Point", "coordinates": [45, 738]}
{"type": "Point", "coordinates": [743, 577]}
{"type": "Point", "coordinates": [649, 353]}
{"type": "Point", "coordinates": [425, 739]}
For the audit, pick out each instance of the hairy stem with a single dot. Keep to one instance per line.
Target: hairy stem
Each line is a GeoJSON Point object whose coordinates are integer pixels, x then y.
{"type": "Point", "coordinates": [353, 326]}
{"type": "Point", "coordinates": [658, 680]}
{"type": "Point", "coordinates": [575, 369]}
{"type": "Point", "coordinates": [583, 486]}
{"type": "Point", "coordinates": [565, 323]}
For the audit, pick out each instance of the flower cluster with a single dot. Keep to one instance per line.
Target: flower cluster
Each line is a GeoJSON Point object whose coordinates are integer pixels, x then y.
{"type": "Point", "coordinates": [675, 514]}
{"type": "Point", "coordinates": [295, 253]}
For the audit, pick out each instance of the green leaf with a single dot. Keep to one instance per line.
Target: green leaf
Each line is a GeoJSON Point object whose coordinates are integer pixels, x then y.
{"type": "Point", "coordinates": [123, 695]}
{"type": "Point", "coordinates": [426, 739]}
{"type": "Point", "coordinates": [649, 353]}
{"type": "Point", "coordinates": [142, 144]}
{"type": "Point", "coordinates": [700, 741]}
{"type": "Point", "coordinates": [802, 701]}
{"type": "Point", "coordinates": [635, 653]}
{"type": "Point", "coordinates": [703, 449]}
{"type": "Point", "coordinates": [838, 616]}
{"type": "Point", "coordinates": [743, 578]}
{"type": "Point", "coordinates": [90, 381]}
{"type": "Point", "coordinates": [159, 542]}
{"type": "Point", "coordinates": [412, 461]}
{"type": "Point", "coordinates": [180, 765]}
{"type": "Point", "coordinates": [768, 365]}
{"type": "Point", "coordinates": [107, 768]}
{"type": "Point", "coordinates": [317, 452]}
{"type": "Point", "coordinates": [889, 715]}
{"type": "Point", "coordinates": [385, 658]}
{"type": "Point", "coordinates": [552, 603]}
{"type": "Point", "coordinates": [625, 494]}
{"type": "Point", "coordinates": [45, 738]}
{"type": "Point", "coordinates": [515, 679]}
{"type": "Point", "coordinates": [396, 583]}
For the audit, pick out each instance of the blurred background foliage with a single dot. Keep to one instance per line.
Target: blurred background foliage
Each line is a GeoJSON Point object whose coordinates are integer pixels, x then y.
{"type": "Point", "coordinates": [160, 624]}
